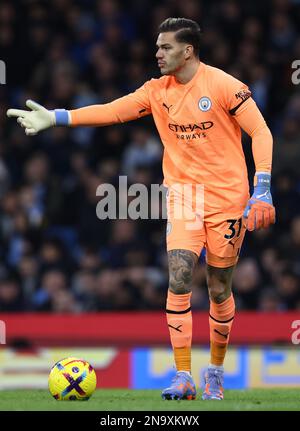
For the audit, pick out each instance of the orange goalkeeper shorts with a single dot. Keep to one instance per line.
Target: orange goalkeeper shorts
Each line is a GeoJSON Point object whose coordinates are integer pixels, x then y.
{"type": "Point", "coordinates": [221, 234]}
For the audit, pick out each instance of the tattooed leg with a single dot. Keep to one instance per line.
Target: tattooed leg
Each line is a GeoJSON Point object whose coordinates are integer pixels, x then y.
{"type": "Point", "coordinates": [179, 315]}
{"type": "Point", "coordinates": [181, 269]}
{"type": "Point", "coordinates": [219, 281]}
{"type": "Point", "coordinates": [221, 315]}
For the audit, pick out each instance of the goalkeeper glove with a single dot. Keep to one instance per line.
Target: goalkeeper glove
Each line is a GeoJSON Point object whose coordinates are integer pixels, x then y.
{"type": "Point", "coordinates": [39, 118]}
{"type": "Point", "coordinates": [260, 212]}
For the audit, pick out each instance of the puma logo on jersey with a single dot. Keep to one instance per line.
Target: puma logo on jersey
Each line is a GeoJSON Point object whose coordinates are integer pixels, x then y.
{"type": "Point", "coordinates": [167, 107]}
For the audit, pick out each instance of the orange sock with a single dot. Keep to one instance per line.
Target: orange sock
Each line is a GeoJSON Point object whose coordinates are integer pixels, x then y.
{"type": "Point", "coordinates": [179, 318]}
{"type": "Point", "coordinates": [220, 322]}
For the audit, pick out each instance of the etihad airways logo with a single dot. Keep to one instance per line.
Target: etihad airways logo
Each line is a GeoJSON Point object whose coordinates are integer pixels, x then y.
{"type": "Point", "coordinates": [204, 125]}
{"type": "Point", "coordinates": [189, 132]}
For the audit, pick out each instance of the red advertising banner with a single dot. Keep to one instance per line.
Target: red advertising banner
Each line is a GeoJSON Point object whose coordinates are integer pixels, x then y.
{"type": "Point", "coordinates": [139, 328]}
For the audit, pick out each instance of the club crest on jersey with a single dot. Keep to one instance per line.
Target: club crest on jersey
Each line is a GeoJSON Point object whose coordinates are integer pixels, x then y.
{"type": "Point", "coordinates": [204, 104]}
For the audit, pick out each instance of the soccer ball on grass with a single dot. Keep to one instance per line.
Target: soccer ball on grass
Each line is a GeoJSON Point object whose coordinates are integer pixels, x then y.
{"type": "Point", "coordinates": [72, 379]}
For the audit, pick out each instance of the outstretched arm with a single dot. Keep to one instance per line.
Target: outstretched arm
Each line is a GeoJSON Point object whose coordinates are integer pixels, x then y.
{"type": "Point", "coordinates": [133, 106]}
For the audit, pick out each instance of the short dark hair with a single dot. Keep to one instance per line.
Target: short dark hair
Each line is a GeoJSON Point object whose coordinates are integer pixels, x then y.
{"type": "Point", "coordinates": [187, 31]}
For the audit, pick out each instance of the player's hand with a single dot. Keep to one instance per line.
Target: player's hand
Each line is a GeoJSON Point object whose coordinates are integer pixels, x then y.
{"type": "Point", "coordinates": [260, 212]}
{"type": "Point", "coordinates": [39, 118]}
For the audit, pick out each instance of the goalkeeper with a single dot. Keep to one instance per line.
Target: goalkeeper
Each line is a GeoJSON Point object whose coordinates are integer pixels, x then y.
{"type": "Point", "coordinates": [199, 112]}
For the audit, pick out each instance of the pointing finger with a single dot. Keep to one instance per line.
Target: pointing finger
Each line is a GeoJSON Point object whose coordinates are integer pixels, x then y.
{"type": "Point", "coordinates": [33, 105]}
{"type": "Point", "coordinates": [16, 113]}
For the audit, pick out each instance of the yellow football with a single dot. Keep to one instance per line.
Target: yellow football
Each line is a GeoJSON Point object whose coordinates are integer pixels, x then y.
{"type": "Point", "coordinates": [72, 379]}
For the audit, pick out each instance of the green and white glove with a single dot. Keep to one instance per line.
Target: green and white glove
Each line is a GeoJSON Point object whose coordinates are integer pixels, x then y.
{"type": "Point", "coordinates": [39, 118]}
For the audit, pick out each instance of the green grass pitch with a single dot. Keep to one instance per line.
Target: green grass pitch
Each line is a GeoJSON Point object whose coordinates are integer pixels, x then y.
{"type": "Point", "coordinates": [150, 400]}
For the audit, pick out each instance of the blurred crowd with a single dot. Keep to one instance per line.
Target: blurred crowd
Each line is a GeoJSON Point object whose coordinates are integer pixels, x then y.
{"type": "Point", "coordinates": [56, 255]}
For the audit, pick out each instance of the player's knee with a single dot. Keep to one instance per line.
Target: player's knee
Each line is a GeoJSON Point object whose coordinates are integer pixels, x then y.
{"type": "Point", "coordinates": [218, 292]}
{"type": "Point", "coordinates": [181, 269]}
{"type": "Point", "coordinates": [182, 285]}
{"type": "Point", "coordinates": [219, 283]}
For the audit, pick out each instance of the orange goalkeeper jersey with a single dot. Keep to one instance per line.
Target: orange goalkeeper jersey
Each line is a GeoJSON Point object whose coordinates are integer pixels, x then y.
{"type": "Point", "coordinates": [197, 126]}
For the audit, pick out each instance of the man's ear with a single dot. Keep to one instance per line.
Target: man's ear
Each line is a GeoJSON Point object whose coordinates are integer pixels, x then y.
{"type": "Point", "coordinates": [189, 51]}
